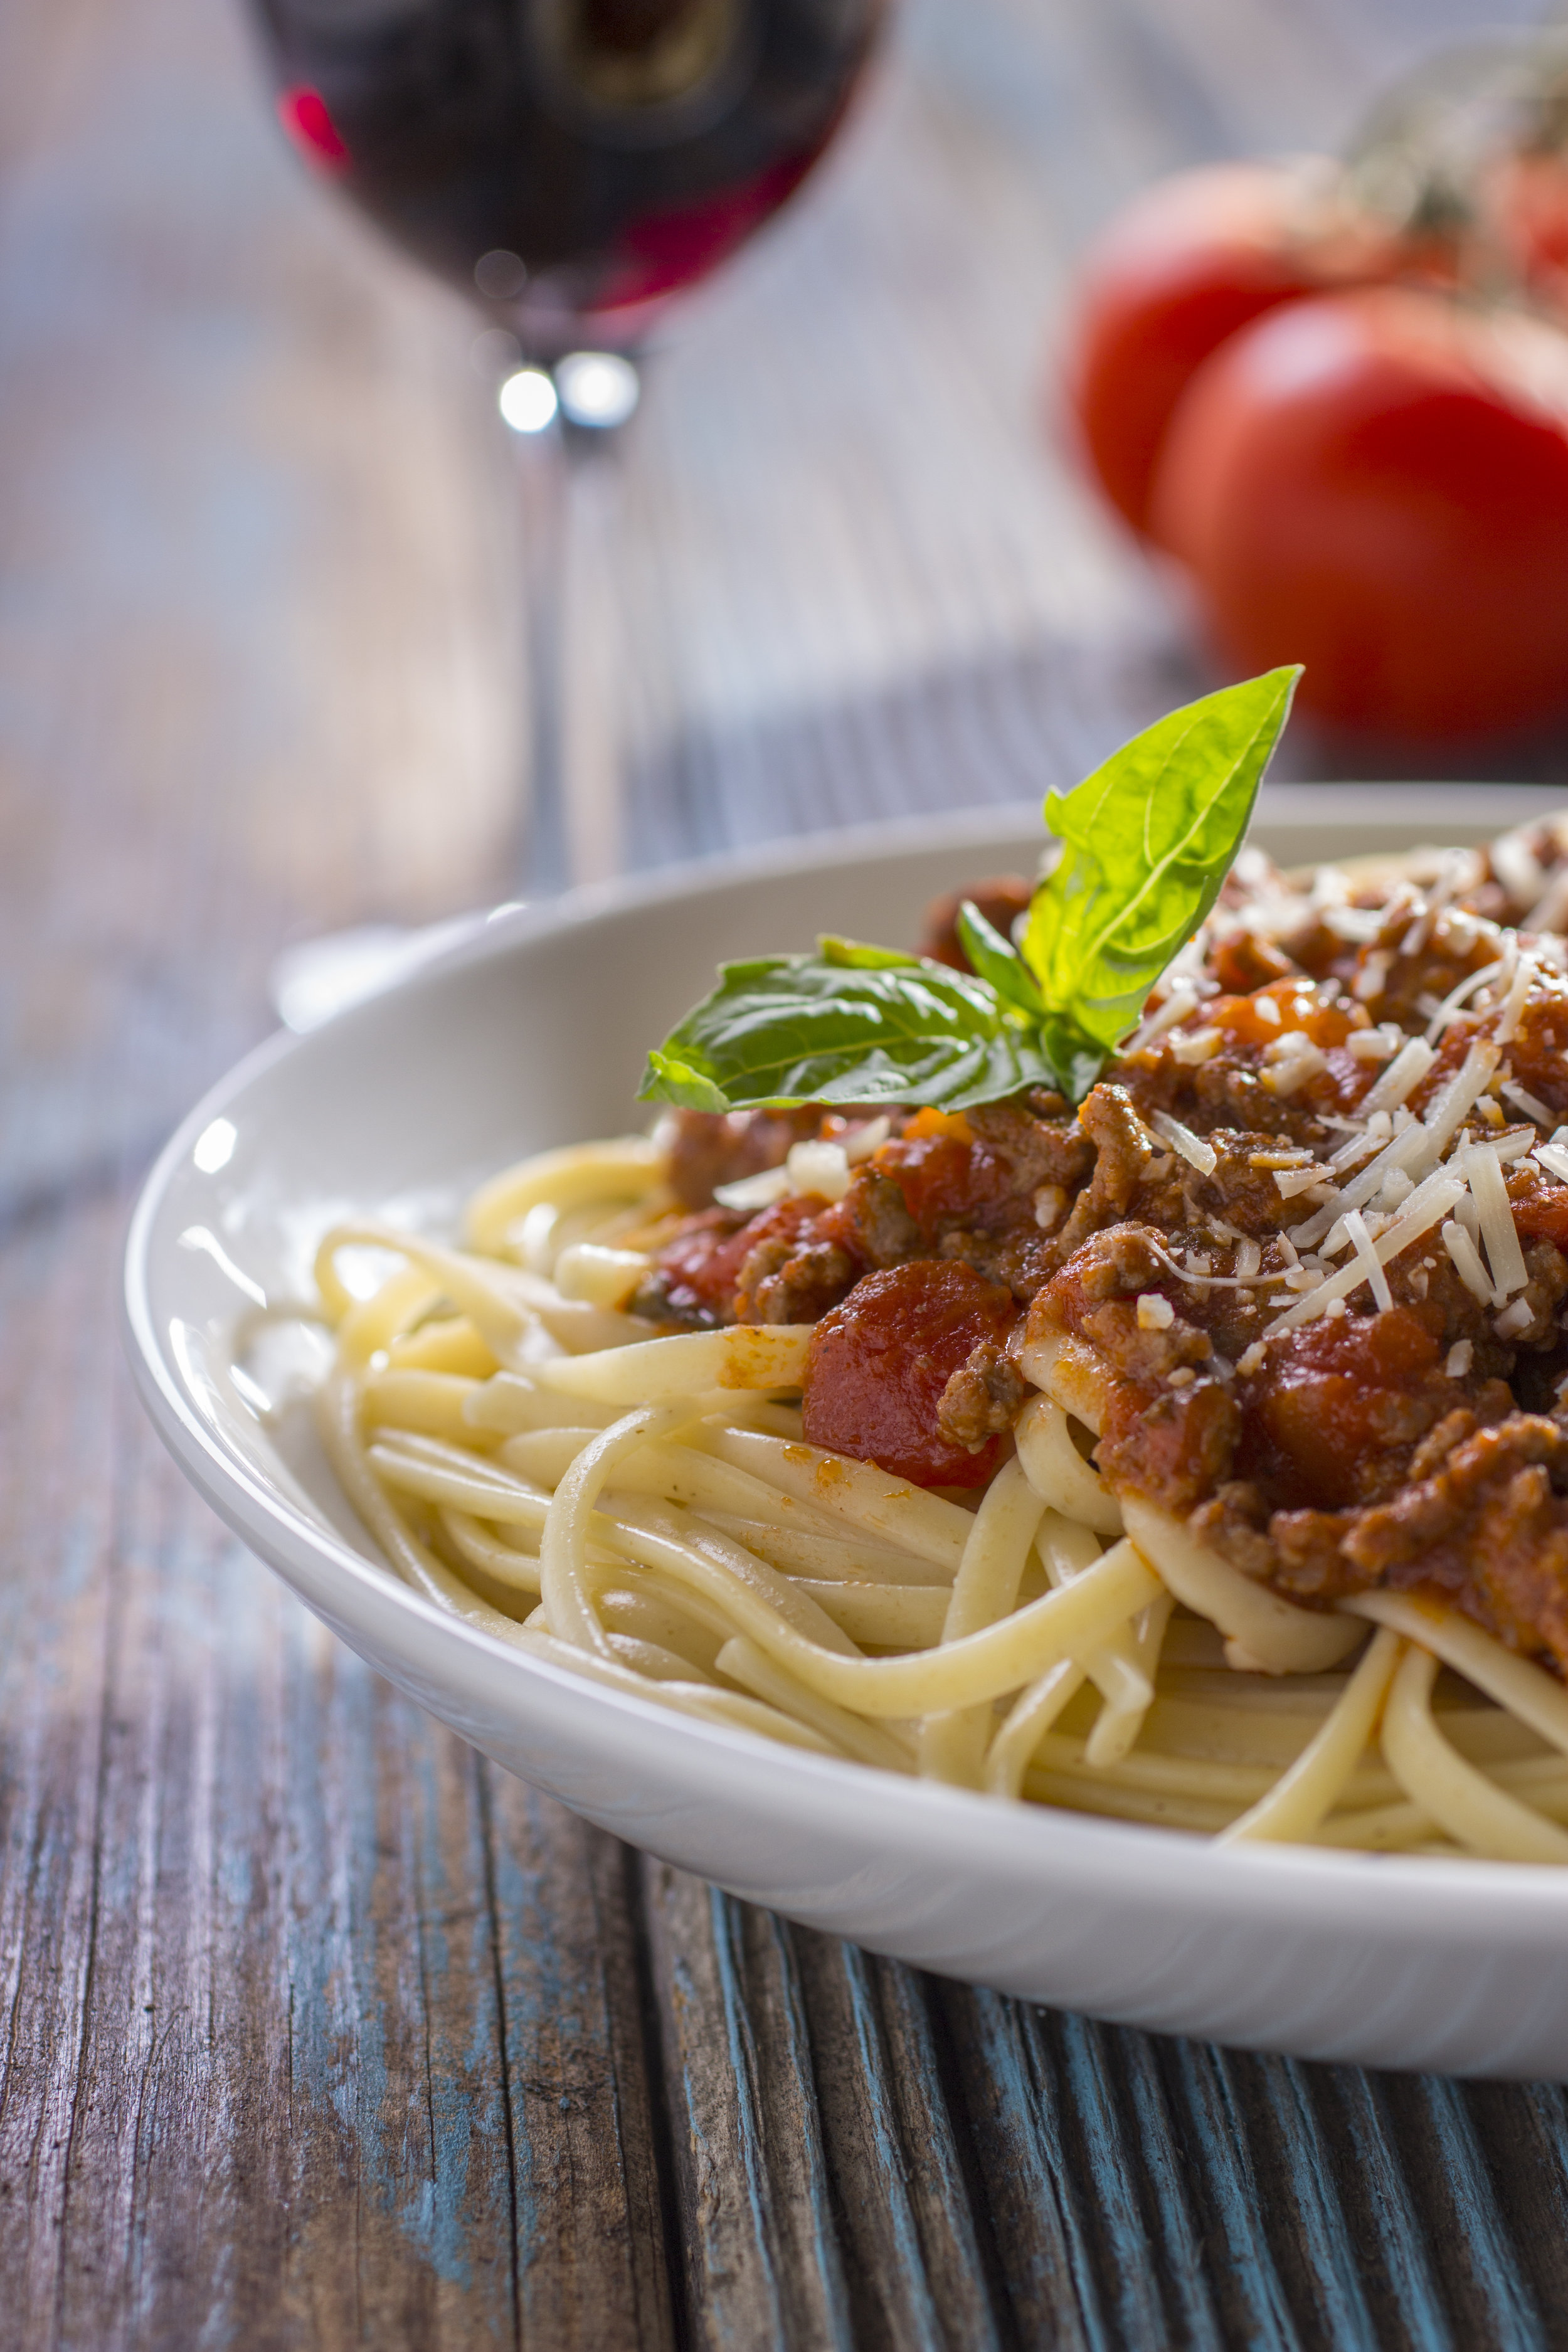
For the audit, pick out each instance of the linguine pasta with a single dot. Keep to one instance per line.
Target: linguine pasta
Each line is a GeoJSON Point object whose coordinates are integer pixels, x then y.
{"type": "Point", "coordinates": [647, 1512]}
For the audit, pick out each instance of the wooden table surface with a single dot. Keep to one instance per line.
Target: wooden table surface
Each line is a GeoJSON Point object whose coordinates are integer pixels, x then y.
{"type": "Point", "coordinates": [315, 2031]}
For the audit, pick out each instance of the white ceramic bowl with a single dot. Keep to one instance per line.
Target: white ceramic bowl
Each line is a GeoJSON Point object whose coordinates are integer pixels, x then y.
{"type": "Point", "coordinates": [531, 1033]}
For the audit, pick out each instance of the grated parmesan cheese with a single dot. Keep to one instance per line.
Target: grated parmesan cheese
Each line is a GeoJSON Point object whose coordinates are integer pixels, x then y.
{"type": "Point", "coordinates": [1522, 1099]}
{"type": "Point", "coordinates": [1376, 1132]}
{"type": "Point", "coordinates": [1375, 1045]}
{"type": "Point", "coordinates": [1370, 979]}
{"type": "Point", "coordinates": [1291, 1061]}
{"type": "Point", "coordinates": [1430, 1201]}
{"type": "Point", "coordinates": [1456, 1363]}
{"type": "Point", "coordinates": [1406, 1149]}
{"type": "Point", "coordinates": [1051, 1206]}
{"type": "Point", "coordinates": [1517, 868]}
{"type": "Point", "coordinates": [1155, 1312]}
{"type": "Point", "coordinates": [1191, 1046]}
{"type": "Point", "coordinates": [1483, 1171]}
{"type": "Point", "coordinates": [1550, 912]}
{"type": "Point", "coordinates": [1513, 1002]}
{"type": "Point", "coordinates": [1467, 1260]}
{"type": "Point", "coordinates": [1447, 1008]}
{"type": "Point", "coordinates": [1401, 1078]}
{"type": "Point", "coordinates": [1514, 1320]}
{"type": "Point", "coordinates": [750, 1194]}
{"type": "Point", "coordinates": [1360, 925]}
{"type": "Point", "coordinates": [1292, 1181]}
{"type": "Point", "coordinates": [862, 1141]}
{"type": "Point", "coordinates": [1366, 1257]}
{"type": "Point", "coordinates": [1474, 1075]}
{"type": "Point", "coordinates": [1192, 1148]}
{"type": "Point", "coordinates": [1182, 1000]}
{"type": "Point", "coordinates": [822, 1168]}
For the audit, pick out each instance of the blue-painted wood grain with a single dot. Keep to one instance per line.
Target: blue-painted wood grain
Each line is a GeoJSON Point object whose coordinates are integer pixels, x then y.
{"type": "Point", "coordinates": [1222, 2152]}
{"type": "Point", "coordinates": [905, 2283]}
{"type": "Point", "coordinates": [1469, 2216]}
{"type": "Point", "coordinates": [1131, 2098]}
{"type": "Point", "coordinates": [1389, 2230]}
{"type": "Point", "coordinates": [953, 2225]}
{"type": "Point", "coordinates": [1012, 2074]}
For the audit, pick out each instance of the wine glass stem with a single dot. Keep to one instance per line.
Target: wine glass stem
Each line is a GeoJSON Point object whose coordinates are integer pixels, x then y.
{"type": "Point", "coordinates": [572, 829]}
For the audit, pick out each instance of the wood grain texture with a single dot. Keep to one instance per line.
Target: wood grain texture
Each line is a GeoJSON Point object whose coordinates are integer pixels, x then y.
{"type": "Point", "coordinates": [314, 2031]}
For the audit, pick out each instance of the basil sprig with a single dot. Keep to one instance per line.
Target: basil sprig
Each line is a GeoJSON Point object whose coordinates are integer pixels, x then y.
{"type": "Point", "coordinates": [1147, 842]}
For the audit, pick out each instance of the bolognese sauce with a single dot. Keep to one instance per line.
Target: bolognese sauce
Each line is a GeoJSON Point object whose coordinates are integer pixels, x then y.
{"type": "Point", "coordinates": [1306, 1239]}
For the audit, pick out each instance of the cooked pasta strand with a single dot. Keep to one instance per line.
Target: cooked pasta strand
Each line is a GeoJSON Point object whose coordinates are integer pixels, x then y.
{"type": "Point", "coordinates": [1308, 1791]}
{"type": "Point", "coordinates": [746, 1356]}
{"type": "Point", "coordinates": [872, 1743]}
{"type": "Point", "coordinates": [628, 1169]}
{"type": "Point", "coordinates": [1476, 1813]}
{"type": "Point", "coordinates": [953, 1743]}
{"type": "Point", "coordinates": [1263, 1631]}
{"type": "Point", "coordinates": [1058, 1471]}
{"type": "Point", "coordinates": [564, 1543]}
{"type": "Point", "coordinates": [856, 1492]}
{"type": "Point", "coordinates": [1524, 1689]}
{"type": "Point", "coordinates": [1033, 1712]}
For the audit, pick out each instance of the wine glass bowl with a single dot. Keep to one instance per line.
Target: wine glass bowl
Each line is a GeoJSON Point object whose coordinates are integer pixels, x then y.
{"type": "Point", "coordinates": [571, 164]}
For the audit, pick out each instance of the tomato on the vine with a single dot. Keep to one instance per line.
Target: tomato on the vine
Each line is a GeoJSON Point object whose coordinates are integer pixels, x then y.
{"type": "Point", "coordinates": [1524, 203]}
{"type": "Point", "coordinates": [1183, 268]}
{"type": "Point", "coordinates": [1375, 484]}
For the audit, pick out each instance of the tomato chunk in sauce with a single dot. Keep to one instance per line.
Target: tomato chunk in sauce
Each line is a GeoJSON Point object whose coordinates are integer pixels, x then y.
{"type": "Point", "coordinates": [879, 1362]}
{"type": "Point", "coordinates": [704, 1262]}
{"type": "Point", "coordinates": [1338, 1396]}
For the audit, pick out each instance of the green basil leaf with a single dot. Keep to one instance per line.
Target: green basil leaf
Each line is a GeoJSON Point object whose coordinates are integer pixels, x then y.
{"type": "Point", "coordinates": [1147, 842]}
{"type": "Point", "coordinates": [669, 1079]}
{"type": "Point", "coordinates": [1075, 1060]}
{"type": "Point", "coordinates": [791, 1029]}
{"type": "Point", "coordinates": [854, 955]}
{"type": "Point", "coordinates": [996, 960]}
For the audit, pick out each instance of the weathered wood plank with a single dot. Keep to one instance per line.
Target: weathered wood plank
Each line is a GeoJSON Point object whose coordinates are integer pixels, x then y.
{"type": "Point", "coordinates": [912, 2244]}
{"type": "Point", "coordinates": [592, 2259]}
{"type": "Point", "coordinates": [1522, 2132]}
{"type": "Point", "coordinates": [55, 1397]}
{"type": "Point", "coordinates": [762, 2259]}
{"type": "Point", "coordinates": [1483, 2284]}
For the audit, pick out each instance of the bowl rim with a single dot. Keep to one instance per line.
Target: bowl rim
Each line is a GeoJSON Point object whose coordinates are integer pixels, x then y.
{"type": "Point", "coordinates": [929, 1821]}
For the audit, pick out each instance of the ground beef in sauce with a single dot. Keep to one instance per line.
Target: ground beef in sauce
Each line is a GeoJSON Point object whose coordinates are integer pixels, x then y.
{"type": "Point", "coordinates": [1424, 1446]}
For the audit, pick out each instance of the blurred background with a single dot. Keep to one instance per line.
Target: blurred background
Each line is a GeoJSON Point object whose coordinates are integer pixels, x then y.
{"type": "Point", "coordinates": [261, 569]}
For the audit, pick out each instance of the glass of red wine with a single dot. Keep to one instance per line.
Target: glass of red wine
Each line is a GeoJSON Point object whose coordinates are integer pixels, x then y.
{"type": "Point", "coordinates": [571, 166]}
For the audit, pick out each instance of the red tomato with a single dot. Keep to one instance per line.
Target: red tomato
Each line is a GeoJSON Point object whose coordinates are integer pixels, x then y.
{"type": "Point", "coordinates": [1524, 205]}
{"type": "Point", "coordinates": [1188, 262]}
{"type": "Point", "coordinates": [878, 1365]}
{"type": "Point", "coordinates": [1376, 484]}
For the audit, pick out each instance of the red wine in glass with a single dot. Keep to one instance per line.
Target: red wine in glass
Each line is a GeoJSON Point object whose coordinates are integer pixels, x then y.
{"type": "Point", "coordinates": [570, 164]}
